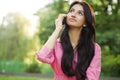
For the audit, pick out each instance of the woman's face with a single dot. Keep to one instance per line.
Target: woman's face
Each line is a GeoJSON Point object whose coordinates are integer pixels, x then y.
{"type": "Point", "coordinates": [75, 17]}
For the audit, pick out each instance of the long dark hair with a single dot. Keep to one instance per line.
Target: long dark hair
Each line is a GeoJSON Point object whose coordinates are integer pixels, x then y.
{"type": "Point", "coordinates": [85, 47]}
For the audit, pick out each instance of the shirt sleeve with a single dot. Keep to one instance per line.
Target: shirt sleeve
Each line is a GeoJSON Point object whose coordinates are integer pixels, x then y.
{"type": "Point", "coordinates": [45, 55]}
{"type": "Point", "coordinates": [93, 71]}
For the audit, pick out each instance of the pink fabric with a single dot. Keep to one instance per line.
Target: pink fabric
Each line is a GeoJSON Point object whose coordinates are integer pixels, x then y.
{"type": "Point", "coordinates": [53, 57]}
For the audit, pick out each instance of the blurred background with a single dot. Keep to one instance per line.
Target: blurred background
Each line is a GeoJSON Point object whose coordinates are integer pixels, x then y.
{"type": "Point", "coordinates": [25, 25]}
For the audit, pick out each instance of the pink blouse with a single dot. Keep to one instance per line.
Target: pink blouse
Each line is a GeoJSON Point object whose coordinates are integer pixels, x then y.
{"type": "Point", "coordinates": [53, 57]}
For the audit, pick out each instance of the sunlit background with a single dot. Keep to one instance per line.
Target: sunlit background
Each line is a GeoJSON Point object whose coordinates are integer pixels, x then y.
{"type": "Point", "coordinates": [25, 7]}
{"type": "Point", "coordinates": [18, 40]}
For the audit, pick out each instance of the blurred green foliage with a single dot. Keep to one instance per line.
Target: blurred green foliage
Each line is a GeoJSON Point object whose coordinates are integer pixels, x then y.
{"type": "Point", "coordinates": [33, 68]}
{"type": "Point", "coordinates": [14, 40]}
{"type": "Point", "coordinates": [17, 47]}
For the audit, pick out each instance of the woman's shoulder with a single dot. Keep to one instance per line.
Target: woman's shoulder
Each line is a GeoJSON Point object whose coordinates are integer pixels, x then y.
{"type": "Point", "coordinates": [97, 49]}
{"type": "Point", "coordinates": [97, 45]}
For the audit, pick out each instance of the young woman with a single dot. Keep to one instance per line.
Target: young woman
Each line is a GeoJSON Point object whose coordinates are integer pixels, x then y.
{"type": "Point", "coordinates": [75, 55]}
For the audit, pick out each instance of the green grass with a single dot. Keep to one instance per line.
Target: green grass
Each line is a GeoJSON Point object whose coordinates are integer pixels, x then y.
{"type": "Point", "coordinates": [20, 78]}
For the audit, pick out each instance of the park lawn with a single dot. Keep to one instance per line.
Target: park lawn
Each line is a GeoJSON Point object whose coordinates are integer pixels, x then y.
{"type": "Point", "coordinates": [20, 78]}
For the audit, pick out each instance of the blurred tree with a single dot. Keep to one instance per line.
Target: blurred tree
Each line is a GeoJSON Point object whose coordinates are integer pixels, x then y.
{"type": "Point", "coordinates": [108, 27]}
{"type": "Point", "coordinates": [14, 40]}
{"type": "Point", "coordinates": [107, 23]}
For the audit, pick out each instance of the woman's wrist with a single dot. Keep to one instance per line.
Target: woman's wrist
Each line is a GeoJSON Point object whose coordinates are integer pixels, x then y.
{"type": "Point", "coordinates": [58, 30]}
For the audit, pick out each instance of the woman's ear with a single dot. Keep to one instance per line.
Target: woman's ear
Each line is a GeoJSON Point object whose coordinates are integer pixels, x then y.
{"type": "Point", "coordinates": [84, 25]}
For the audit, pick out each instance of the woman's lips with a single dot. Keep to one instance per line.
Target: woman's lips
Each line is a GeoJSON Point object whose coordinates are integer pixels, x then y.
{"type": "Point", "coordinates": [72, 19]}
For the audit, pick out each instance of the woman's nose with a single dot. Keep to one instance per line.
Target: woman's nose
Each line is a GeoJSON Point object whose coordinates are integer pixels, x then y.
{"type": "Point", "coordinates": [73, 14]}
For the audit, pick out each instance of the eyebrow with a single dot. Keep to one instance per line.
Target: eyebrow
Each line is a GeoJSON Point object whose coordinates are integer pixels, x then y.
{"type": "Point", "coordinates": [79, 10]}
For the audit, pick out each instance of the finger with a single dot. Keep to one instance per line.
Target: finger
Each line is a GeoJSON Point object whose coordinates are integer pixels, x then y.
{"type": "Point", "coordinates": [56, 20]}
{"type": "Point", "coordinates": [62, 15]}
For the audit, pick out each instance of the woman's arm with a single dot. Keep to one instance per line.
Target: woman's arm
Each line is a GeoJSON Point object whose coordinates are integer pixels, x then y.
{"type": "Point", "coordinates": [93, 71]}
{"type": "Point", "coordinates": [59, 26]}
{"type": "Point", "coordinates": [46, 53]}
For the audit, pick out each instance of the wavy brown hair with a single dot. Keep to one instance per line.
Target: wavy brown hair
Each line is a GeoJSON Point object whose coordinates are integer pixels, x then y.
{"type": "Point", "coordinates": [85, 47]}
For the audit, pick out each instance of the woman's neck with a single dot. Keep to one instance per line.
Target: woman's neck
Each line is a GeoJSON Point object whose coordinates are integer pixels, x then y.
{"type": "Point", "coordinates": [74, 35]}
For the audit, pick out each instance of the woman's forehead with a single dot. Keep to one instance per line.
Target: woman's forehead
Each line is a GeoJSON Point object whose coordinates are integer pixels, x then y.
{"type": "Point", "coordinates": [78, 7]}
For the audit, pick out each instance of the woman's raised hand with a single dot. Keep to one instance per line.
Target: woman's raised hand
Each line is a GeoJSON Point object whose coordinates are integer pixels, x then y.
{"type": "Point", "coordinates": [58, 22]}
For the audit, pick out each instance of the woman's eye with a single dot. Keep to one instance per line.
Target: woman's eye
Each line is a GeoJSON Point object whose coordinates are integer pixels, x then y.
{"type": "Point", "coordinates": [81, 13]}
{"type": "Point", "coordinates": [71, 10]}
